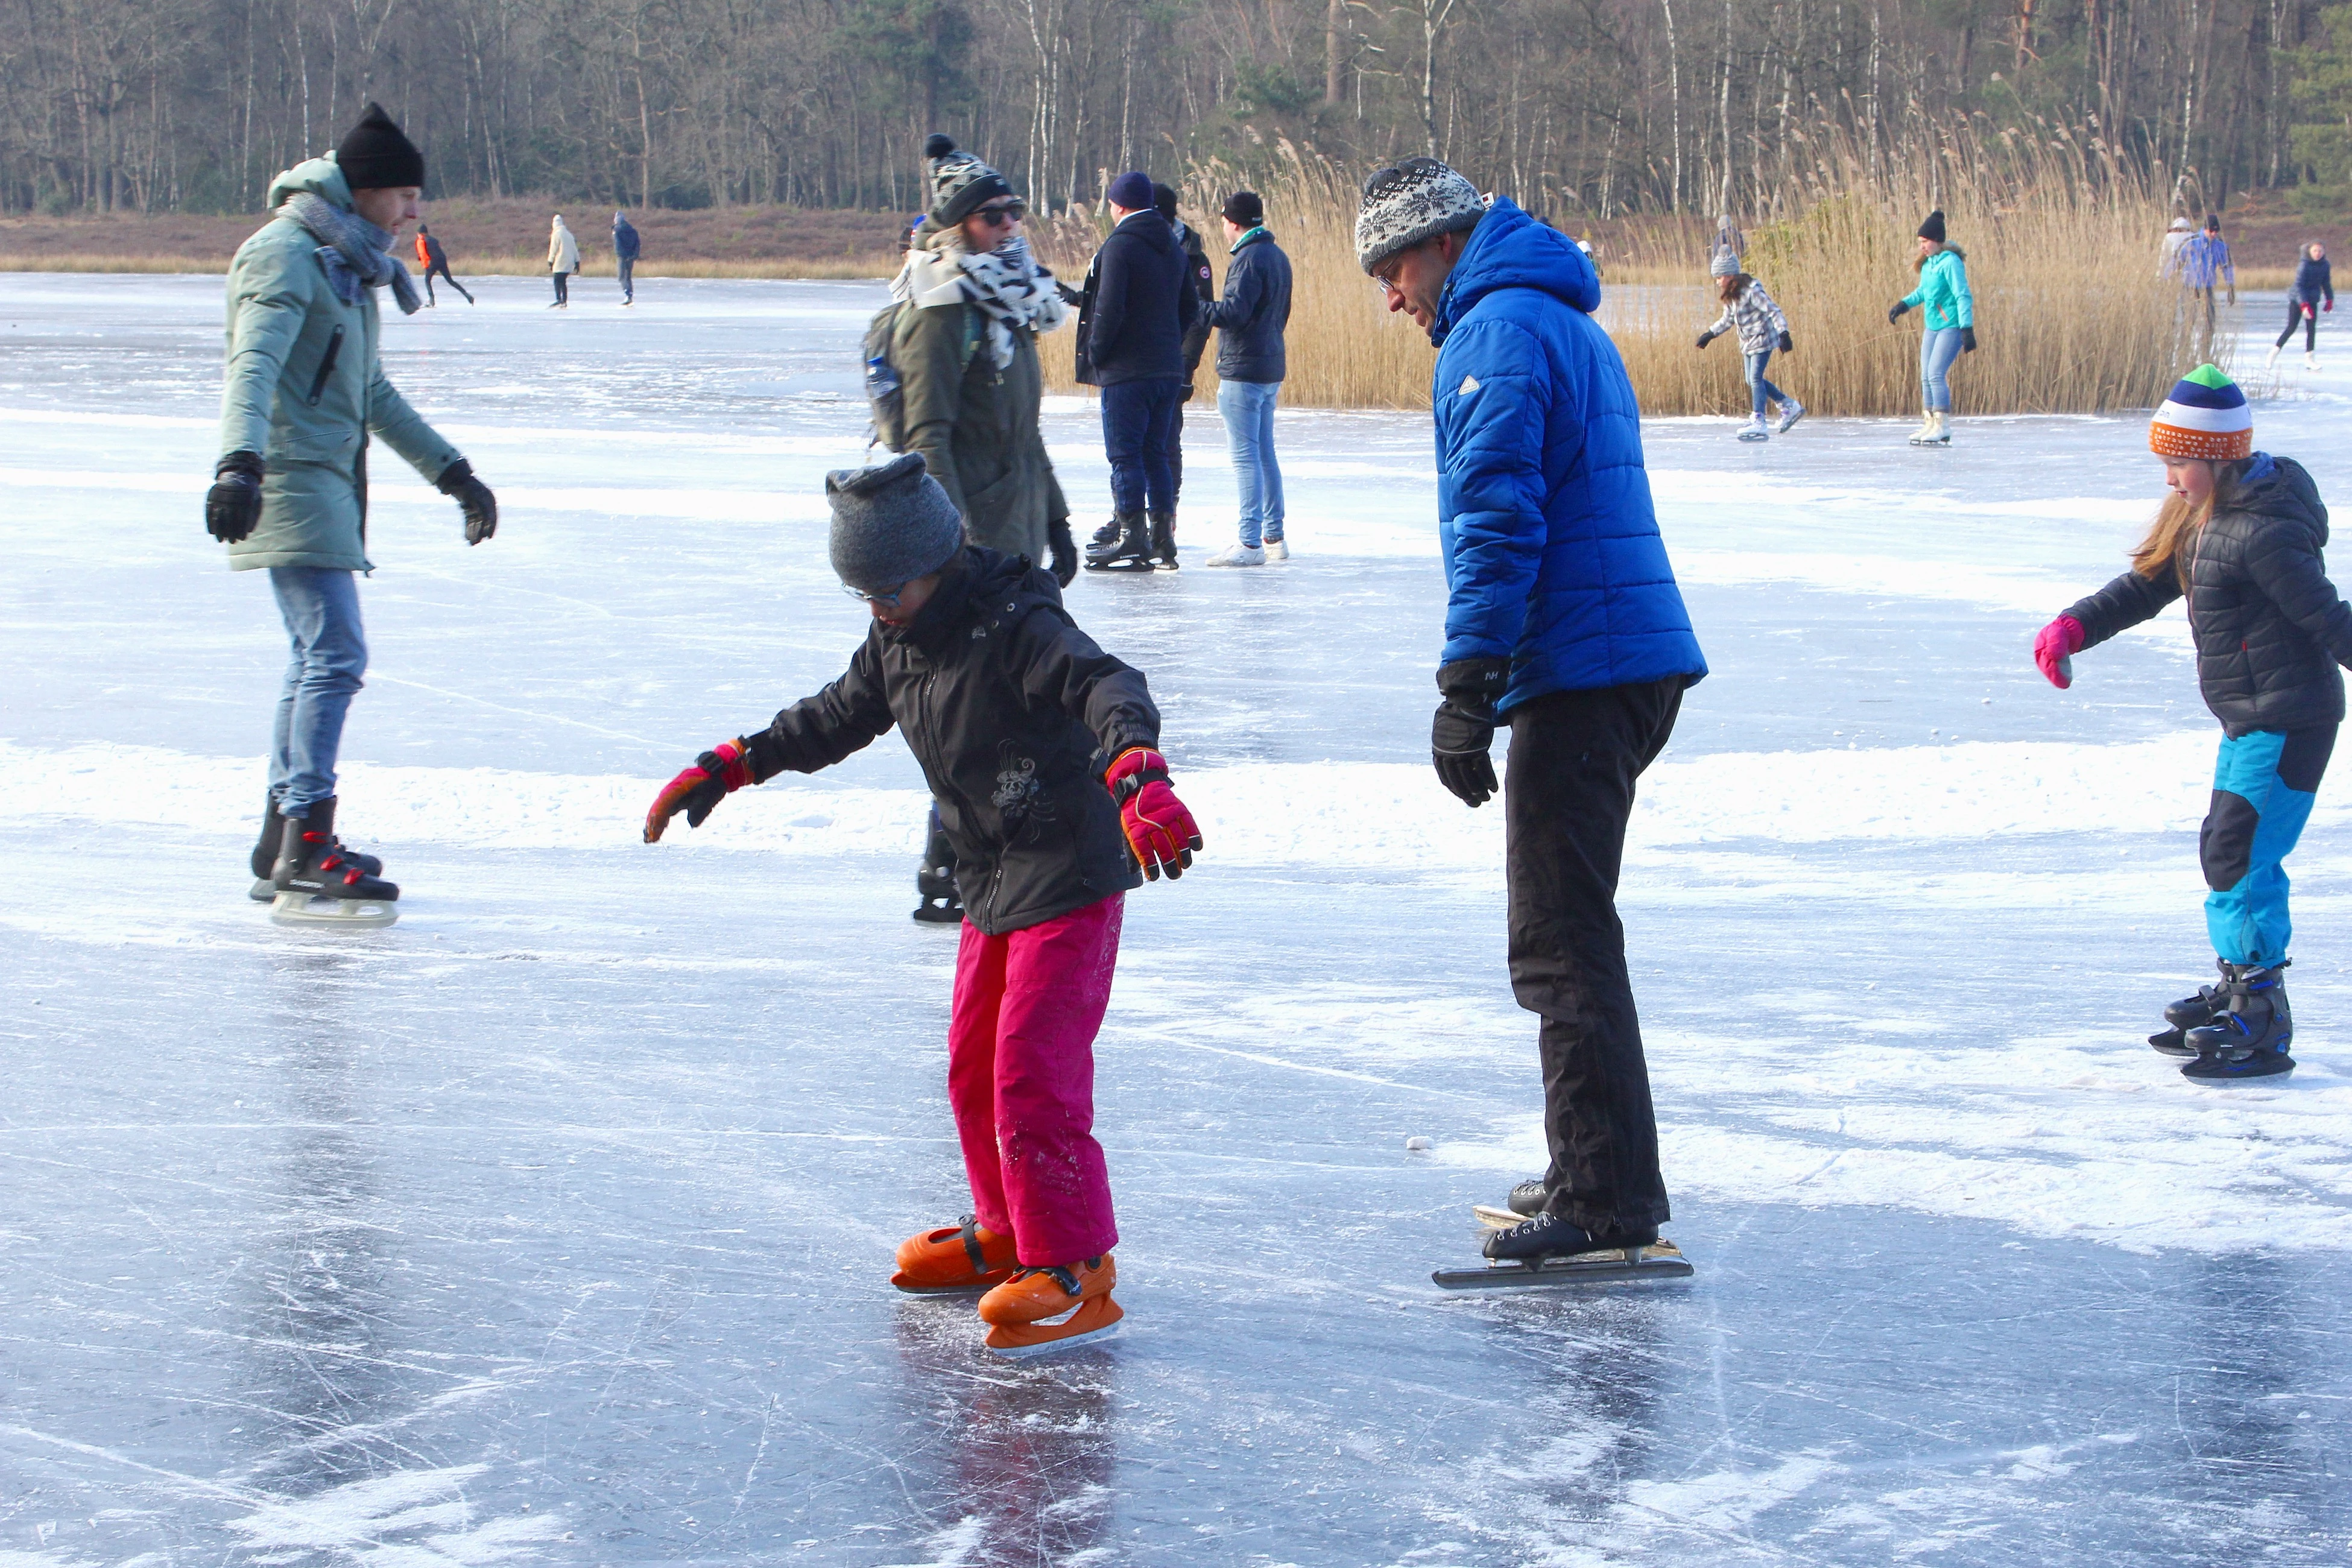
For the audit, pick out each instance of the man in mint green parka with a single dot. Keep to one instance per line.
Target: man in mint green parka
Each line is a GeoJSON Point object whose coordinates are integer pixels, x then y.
{"type": "Point", "coordinates": [305, 393]}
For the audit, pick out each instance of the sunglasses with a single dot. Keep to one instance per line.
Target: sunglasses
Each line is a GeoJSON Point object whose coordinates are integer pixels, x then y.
{"type": "Point", "coordinates": [889, 601]}
{"type": "Point", "coordinates": [1003, 213]}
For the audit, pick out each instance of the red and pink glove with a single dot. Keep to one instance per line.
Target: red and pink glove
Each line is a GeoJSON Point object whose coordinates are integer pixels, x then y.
{"type": "Point", "coordinates": [1160, 834]}
{"type": "Point", "coordinates": [715, 774]}
{"type": "Point", "coordinates": [2054, 647]}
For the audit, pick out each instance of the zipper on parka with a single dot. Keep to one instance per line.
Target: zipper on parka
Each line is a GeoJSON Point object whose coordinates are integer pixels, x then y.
{"type": "Point", "coordinates": [326, 366]}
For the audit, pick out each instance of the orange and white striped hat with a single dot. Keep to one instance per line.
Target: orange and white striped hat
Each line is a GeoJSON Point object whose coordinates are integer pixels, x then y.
{"type": "Point", "coordinates": [2206, 416]}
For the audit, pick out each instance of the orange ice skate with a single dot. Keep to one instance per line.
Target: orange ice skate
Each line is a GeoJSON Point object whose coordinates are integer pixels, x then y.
{"type": "Point", "coordinates": [1016, 1310]}
{"type": "Point", "coordinates": [954, 1258]}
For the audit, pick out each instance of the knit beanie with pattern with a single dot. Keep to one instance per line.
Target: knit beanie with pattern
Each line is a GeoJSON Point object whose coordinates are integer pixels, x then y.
{"type": "Point", "coordinates": [891, 524]}
{"type": "Point", "coordinates": [1410, 201]}
{"type": "Point", "coordinates": [960, 182]}
{"type": "Point", "coordinates": [375, 155]}
{"type": "Point", "coordinates": [2206, 416]}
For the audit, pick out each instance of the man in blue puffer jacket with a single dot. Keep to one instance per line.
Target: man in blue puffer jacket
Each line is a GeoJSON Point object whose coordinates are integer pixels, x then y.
{"type": "Point", "coordinates": [1563, 621]}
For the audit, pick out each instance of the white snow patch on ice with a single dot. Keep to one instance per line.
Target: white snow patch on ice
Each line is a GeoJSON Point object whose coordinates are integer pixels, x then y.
{"type": "Point", "coordinates": [1727, 1502]}
{"type": "Point", "coordinates": [418, 1517]}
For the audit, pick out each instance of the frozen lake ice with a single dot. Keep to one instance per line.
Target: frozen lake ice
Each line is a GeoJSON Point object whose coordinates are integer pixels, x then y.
{"type": "Point", "coordinates": [552, 1224]}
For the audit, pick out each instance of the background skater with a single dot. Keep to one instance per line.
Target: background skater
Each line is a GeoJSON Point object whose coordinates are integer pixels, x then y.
{"type": "Point", "coordinates": [1251, 318]}
{"type": "Point", "coordinates": [1749, 307]}
{"type": "Point", "coordinates": [625, 255]}
{"type": "Point", "coordinates": [305, 391]}
{"type": "Point", "coordinates": [431, 258]}
{"type": "Point", "coordinates": [1140, 305]}
{"type": "Point", "coordinates": [1010, 710]}
{"type": "Point", "coordinates": [1563, 621]}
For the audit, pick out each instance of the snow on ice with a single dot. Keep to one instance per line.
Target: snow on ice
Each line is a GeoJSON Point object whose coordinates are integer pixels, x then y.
{"type": "Point", "coordinates": [552, 1224]}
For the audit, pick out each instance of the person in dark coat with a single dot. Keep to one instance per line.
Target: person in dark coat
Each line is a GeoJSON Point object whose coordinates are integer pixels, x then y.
{"type": "Point", "coordinates": [624, 253]}
{"type": "Point", "coordinates": [1143, 305]}
{"type": "Point", "coordinates": [1196, 343]}
{"type": "Point", "coordinates": [1563, 621]}
{"type": "Point", "coordinates": [431, 258]}
{"type": "Point", "coordinates": [2313, 291]}
{"type": "Point", "coordinates": [1250, 321]}
{"type": "Point", "coordinates": [2241, 535]}
{"type": "Point", "coordinates": [1041, 751]}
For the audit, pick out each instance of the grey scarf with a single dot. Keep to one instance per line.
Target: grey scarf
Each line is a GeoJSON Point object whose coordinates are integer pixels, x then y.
{"type": "Point", "coordinates": [355, 253]}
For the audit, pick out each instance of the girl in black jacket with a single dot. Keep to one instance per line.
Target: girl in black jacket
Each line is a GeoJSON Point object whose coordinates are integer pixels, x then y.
{"type": "Point", "coordinates": [2242, 536]}
{"type": "Point", "coordinates": [1041, 751]}
{"type": "Point", "coordinates": [2313, 291]}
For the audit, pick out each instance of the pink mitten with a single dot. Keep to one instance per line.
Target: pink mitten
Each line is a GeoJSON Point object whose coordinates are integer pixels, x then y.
{"type": "Point", "coordinates": [2054, 647]}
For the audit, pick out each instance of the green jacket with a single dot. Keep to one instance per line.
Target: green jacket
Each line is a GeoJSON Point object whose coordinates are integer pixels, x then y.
{"type": "Point", "coordinates": [305, 389]}
{"type": "Point", "coordinates": [976, 427]}
{"type": "Point", "coordinates": [1944, 291]}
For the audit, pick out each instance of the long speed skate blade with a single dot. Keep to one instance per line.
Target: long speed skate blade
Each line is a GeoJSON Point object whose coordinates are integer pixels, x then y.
{"type": "Point", "coordinates": [1660, 1260]}
{"type": "Point", "coordinates": [320, 909]}
{"type": "Point", "coordinates": [1095, 1319]}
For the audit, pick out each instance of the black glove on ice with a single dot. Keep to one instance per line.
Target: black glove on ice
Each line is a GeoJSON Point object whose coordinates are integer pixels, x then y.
{"type": "Point", "coordinates": [1464, 729]}
{"type": "Point", "coordinates": [1894, 311]}
{"type": "Point", "coordinates": [233, 506]}
{"type": "Point", "coordinates": [1786, 346]}
{"type": "Point", "coordinates": [1705, 339]}
{"type": "Point", "coordinates": [1967, 340]}
{"type": "Point", "coordinates": [1065, 551]}
{"type": "Point", "coordinates": [473, 497]}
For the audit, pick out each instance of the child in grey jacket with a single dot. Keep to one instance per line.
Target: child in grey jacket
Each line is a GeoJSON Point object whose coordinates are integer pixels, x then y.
{"type": "Point", "coordinates": [1748, 305]}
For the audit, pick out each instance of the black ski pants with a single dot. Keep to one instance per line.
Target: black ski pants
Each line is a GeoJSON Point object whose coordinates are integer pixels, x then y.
{"type": "Point", "coordinates": [1568, 791]}
{"type": "Point", "coordinates": [442, 269]}
{"type": "Point", "coordinates": [2300, 313]}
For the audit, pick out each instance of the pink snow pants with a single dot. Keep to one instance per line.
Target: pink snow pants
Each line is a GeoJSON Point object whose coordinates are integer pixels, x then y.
{"type": "Point", "coordinates": [1021, 1076]}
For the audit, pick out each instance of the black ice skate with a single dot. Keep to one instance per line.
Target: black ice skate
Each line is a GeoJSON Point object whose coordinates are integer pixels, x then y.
{"type": "Point", "coordinates": [266, 850]}
{"type": "Point", "coordinates": [1129, 550]}
{"type": "Point", "coordinates": [935, 882]}
{"type": "Point", "coordinates": [1163, 540]}
{"type": "Point", "coordinates": [1549, 1250]}
{"type": "Point", "coordinates": [319, 884]}
{"type": "Point", "coordinates": [2190, 1012]}
{"type": "Point", "coordinates": [2250, 1033]}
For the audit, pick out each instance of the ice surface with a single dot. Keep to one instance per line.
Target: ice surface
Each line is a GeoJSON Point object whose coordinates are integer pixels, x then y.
{"type": "Point", "coordinates": [552, 1224]}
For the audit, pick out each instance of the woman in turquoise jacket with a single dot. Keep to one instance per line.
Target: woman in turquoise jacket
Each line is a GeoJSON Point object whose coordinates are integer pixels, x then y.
{"type": "Point", "coordinates": [1951, 319]}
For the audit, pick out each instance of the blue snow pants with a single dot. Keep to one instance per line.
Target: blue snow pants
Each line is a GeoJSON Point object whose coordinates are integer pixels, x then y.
{"type": "Point", "coordinates": [2263, 785]}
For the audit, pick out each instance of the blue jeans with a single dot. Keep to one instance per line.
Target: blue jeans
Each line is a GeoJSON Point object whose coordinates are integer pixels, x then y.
{"type": "Point", "coordinates": [1938, 347]}
{"type": "Point", "coordinates": [321, 607]}
{"type": "Point", "coordinates": [1138, 421]}
{"type": "Point", "coordinates": [2263, 785]}
{"type": "Point", "coordinates": [1761, 390]}
{"type": "Point", "coordinates": [1248, 410]}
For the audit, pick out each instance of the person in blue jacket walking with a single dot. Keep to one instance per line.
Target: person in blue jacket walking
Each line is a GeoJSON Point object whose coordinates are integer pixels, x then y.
{"type": "Point", "coordinates": [1949, 311]}
{"type": "Point", "coordinates": [625, 252]}
{"type": "Point", "coordinates": [1563, 621]}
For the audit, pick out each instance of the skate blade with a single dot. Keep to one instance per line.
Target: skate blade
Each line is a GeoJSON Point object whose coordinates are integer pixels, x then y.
{"type": "Point", "coordinates": [1659, 1261]}
{"type": "Point", "coordinates": [980, 1287]}
{"type": "Point", "coordinates": [2218, 1071]}
{"type": "Point", "coordinates": [322, 909]}
{"type": "Point", "coordinates": [1498, 1217]}
{"type": "Point", "coordinates": [1095, 1319]}
{"type": "Point", "coordinates": [1756, 436]}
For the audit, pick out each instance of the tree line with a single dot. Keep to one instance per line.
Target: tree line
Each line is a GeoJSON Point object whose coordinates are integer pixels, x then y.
{"type": "Point", "coordinates": [1600, 107]}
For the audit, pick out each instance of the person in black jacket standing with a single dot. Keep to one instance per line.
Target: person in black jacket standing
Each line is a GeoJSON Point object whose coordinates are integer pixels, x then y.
{"type": "Point", "coordinates": [1041, 751]}
{"type": "Point", "coordinates": [1203, 284]}
{"type": "Point", "coordinates": [1142, 307]}
{"type": "Point", "coordinates": [1250, 321]}
{"type": "Point", "coordinates": [2241, 535]}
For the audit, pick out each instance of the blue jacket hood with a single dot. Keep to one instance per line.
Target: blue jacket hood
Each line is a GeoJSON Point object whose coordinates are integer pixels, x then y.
{"type": "Point", "coordinates": [1508, 250]}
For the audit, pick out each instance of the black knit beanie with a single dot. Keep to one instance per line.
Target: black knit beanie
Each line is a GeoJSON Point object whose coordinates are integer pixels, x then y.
{"type": "Point", "coordinates": [1934, 227]}
{"type": "Point", "coordinates": [960, 182]}
{"type": "Point", "coordinates": [375, 155]}
{"type": "Point", "coordinates": [1243, 208]}
{"type": "Point", "coordinates": [1163, 197]}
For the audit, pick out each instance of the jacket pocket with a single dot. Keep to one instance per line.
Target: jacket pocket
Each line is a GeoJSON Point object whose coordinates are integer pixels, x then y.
{"type": "Point", "coordinates": [326, 368]}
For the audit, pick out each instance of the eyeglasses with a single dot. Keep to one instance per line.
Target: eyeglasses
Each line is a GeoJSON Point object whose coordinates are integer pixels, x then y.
{"type": "Point", "coordinates": [1003, 213]}
{"type": "Point", "coordinates": [889, 601]}
{"type": "Point", "coordinates": [1386, 285]}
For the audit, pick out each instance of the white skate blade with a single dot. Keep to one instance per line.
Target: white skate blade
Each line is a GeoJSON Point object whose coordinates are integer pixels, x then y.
{"type": "Point", "coordinates": [1494, 1217]}
{"type": "Point", "coordinates": [320, 909]}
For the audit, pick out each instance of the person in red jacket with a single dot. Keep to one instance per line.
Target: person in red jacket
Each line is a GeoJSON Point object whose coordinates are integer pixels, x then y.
{"type": "Point", "coordinates": [1042, 753]}
{"type": "Point", "coordinates": [433, 260]}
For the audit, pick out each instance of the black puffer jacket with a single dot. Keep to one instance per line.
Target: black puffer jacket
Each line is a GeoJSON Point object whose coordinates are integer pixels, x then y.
{"type": "Point", "coordinates": [1014, 714]}
{"type": "Point", "coordinates": [2270, 628]}
{"type": "Point", "coordinates": [1144, 303]}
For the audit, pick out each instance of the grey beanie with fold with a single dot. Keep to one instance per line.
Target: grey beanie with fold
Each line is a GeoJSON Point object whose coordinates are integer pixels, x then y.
{"type": "Point", "coordinates": [891, 524]}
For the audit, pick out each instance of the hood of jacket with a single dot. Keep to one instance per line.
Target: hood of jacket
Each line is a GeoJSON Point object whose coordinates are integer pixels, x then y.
{"type": "Point", "coordinates": [1508, 250]}
{"type": "Point", "coordinates": [1152, 229]}
{"type": "Point", "coordinates": [2280, 487]}
{"type": "Point", "coordinates": [321, 177]}
{"type": "Point", "coordinates": [975, 575]}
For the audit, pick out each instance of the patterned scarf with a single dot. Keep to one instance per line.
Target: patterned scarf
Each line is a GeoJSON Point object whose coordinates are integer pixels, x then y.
{"type": "Point", "coordinates": [1008, 285]}
{"type": "Point", "coordinates": [354, 251]}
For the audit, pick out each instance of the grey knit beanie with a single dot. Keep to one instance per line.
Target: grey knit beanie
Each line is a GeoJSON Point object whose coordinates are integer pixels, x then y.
{"type": "Point", "coordinates": [960, 182]}
{"type": "Point", "coordinates": [891, 524]}
{"type": "Point", "coordinates": [1408, 202]}
{"type": "Point", "coordinates": [1724, 265]}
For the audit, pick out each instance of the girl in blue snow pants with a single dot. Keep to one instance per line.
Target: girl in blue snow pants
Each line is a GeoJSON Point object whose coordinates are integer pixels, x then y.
{"type": "Point", "coordinates": [2241, 535]}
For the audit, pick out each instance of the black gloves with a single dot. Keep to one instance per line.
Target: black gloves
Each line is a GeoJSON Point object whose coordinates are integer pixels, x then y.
{"type": "Point", "coordinates": [1065, 550]}
{"type": "Point", "coordinates": [1786, 346]}
{"type": "Point", "coordinates": [1894, 311]}
{"type": "Point", "coordinates": [233, 506]}
{"type": "Point", "coordinates": [473, 497]}
{"type": "Point", "coordinates": [1465, 726]}
{"type": "Point", "coordinates": [1967, 340]}
{"type": "Point", "coordinates": [1705, 339]}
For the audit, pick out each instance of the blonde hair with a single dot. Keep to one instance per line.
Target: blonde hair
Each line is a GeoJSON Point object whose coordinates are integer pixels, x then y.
{"type": "Point", "coordinates": [2167, 544]}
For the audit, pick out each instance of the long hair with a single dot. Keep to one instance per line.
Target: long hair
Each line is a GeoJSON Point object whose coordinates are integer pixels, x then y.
{"type": "Point", "coordinates": [2169, 537]}
{"type": "Point", "coordinates": [1733, 287]}
{"type": "Point", "coordinates": [1919, 263]}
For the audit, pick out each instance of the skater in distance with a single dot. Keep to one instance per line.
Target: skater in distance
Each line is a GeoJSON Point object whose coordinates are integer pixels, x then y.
{"type": "Point", "coordinates": [1141, 305]}
{"type": "Point", "coordinates": [305, 392]}
{"type": "Point", "coordinates": [1563, 621]}
{"type": "Point", "coordinates": [1250, 318]}
{"type": "Point", "coordinates": [2313, 291]}
{"type": "Point", "coordinates": [1949, 313]}
{"type": "Point", "coordinates": [1763, 328]}
{"type": "Point", "coordinates": [2241, 535]}
{"type": "Point", "coordinates": [1042, 753]}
